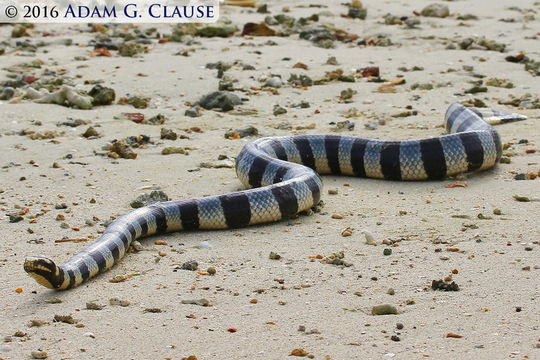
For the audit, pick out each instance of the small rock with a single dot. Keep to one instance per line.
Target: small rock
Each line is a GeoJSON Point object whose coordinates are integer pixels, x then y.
{"type": "Point", "coordinates": [138, 102]}
{"type": "Point", "coordinates": [355, 13]}
{"type": "Point", "coordinates": [436, 10]}
{"type": "Point", "coordinates": [274, 256]}
{"type": "Point", "coordinates": [90, 132]}
{"type": "Point", "coordinates": [191, 265]}
{"type": "Point", "coordinates": [39, 354]}
{"type": "Point", "coordinates": [218, 30]}
{"type": "Point", "coordinates": [274, 82]}
{"type": "Point", "coordinates": [278, 110]}
{"type": "Point", "coordinates": [93, 306]}
{"type": "Point", "coordinates": [68, 319]}
{"type": "Point", "coordinates": [6, 93]}
{"type": "Point", "coordinates": [130, 49]}
{"type": "Point", "coordinates": [15, 218]}
{"type": "Point", "coordinates": [174, 150]}
{"type": "Point", "coordinates": [153, 310]}
{"type": "Point", "coordinates": [370, 240]}
{"type": "Point", "coordinates": [204, 245]}
{"type": "Point", "coordinates": [444, 285]}
{"type": "Point", "coordinates": [347, 232]}
{"type": "Point", "coordinates": [193, 112]}
{"type": "Point", "coordinates": [384, 309]}
{"type": "Point", "coordinates": [156, 120]}
{"type": "Point", "coordinates": [102, 95]}
{"type": "Point", "coordinates": [211, 270]}
{"type": "Point", "coordinates": [118, 302]}
{"type": "Point", "coordinates": [242, 132]}
{"type": "Point", "coordinates": [261, 29]}
{"type": "Point", "coordinates": [476, 89]}
{"type": "Point", "coordinates": [299, 352]}
{"type": "Point", "coordinates": [199, 302]}
{"type": "Point", "coordinates": [148, 199]}
{"type": "Point", "coordinates": [223, 100]}
{"type": "Point", "coordinates": [332, 61]}
{"type": "Point", "coordinates": [168, 134]}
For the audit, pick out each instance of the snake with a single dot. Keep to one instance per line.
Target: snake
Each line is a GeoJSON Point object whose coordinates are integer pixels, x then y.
{"type": "Point", "coordinates": [281, 174]}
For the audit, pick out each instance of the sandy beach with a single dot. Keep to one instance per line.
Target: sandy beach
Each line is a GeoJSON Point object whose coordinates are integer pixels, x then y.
{"type": "Point", "coordinates": [59, 189]}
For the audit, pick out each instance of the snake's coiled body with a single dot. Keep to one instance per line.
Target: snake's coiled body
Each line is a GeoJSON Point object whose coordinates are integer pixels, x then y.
{"type": "Point", "coordinates": [283, 174]}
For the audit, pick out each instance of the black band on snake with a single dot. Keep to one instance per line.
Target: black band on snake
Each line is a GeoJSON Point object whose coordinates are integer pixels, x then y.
{"type": "Point", "coordinates": [283, 174]}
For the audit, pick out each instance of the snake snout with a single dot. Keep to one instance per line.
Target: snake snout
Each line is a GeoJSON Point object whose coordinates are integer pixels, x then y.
{"type": "Point", "coordinates": [39, 265]}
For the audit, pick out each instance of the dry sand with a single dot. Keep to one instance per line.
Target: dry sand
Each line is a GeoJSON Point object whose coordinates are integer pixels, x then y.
{"type": "Point", "coordinates": [496, 310]}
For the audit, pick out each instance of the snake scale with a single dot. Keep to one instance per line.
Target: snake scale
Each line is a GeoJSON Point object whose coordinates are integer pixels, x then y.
{"type": "Point", "coordinates": [282, 173]}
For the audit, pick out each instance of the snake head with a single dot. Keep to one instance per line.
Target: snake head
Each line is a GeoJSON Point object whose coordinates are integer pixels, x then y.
{"type": "Point", "coordinates": [44, 271]}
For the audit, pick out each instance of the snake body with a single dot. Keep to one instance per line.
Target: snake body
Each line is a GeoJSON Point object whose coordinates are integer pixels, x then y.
{"type": "Point", "coordinates": [282, 173]}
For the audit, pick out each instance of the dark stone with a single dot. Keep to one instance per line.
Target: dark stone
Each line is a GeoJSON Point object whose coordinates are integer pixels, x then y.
{"type": "Point", "coordinates": [357, 13]}
{"type": "Point", "coordinates": [223, 100]}
{"type": "Point", "coordinates": [102, 95]}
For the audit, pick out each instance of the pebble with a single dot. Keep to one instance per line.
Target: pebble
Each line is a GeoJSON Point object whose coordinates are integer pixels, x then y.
{"type": "Point", "coordinates": [118, 302]}
{"type": "Point", "coordinates": [278, 110]}
{"type": "Point", "coordinates": [274, 256]}
{"type": "Point", "coordinates": [90, 132]}
{"type": "Point", "coordinates": [211, 270]}
{"type": "Point", "coordinates": [391, 291]}
{"type": "Point", "coordinates": [204, 245]}
{"type": "Point", "coordinates": [435, 10]}
{"type": "Point", "coordinates": [221, 164]}
{"type": "Point", "coordinates": [15, 218]}
{"type": "Point", "coordinates": [387, 252]}
{"type": "Point", "coordinates": [39, 355]}
{"type": "Point", "coordinates": [476, 89]}
{"type": "Point", "coordinates": [193, 112]}
{"type": "Point", "coordinates": [300, 80]}
{"type": "Point", "coordinates": [102, 95]}
{"type": "Point", "coordinates": [298, 352]}
{"type": "Point", "coordinates": [242, 132]}
{"type": "Point", "coordinates": [148, 199]}
{"type": "Point", "coordinates": [331, 61]}
{"type": "Point", "coordinates": [399, 326]}
{"type": "Point", "coordinates": [223, 100]}
{"type": "Point", "coordinates": [347, 232]}
{"type": "Point", "coordinates": [37, 323]}
{"type": "Point", "coordinates": [168, 134]}
{"type": "Point", "coordinates": [199, 302]}
{"type": "Point", "coordinates": [320, 36]}
{"type": "Point", "coordinates": [384, 309]}
{"type": "Point", "coordinates": [94, 306]}
{"type": "Point", "coordinates": [6, 93]}
{"type": "Point", "coordinates": [174, 150]}
{"type": "Point", "coordinates": [444, 285]}
{"type": "Point", "coordinates": [274, 82]}
{"type": "Point", "coordinates": [191, 265]}
{"type": "Point", "coordinates": [153, 310]}
{"type": "Point", "coordinates": [68, 319]}
{"type": "Point", "coordinates": [355, 13]}
{"type": "Point", "coordinates": [370, 240]}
